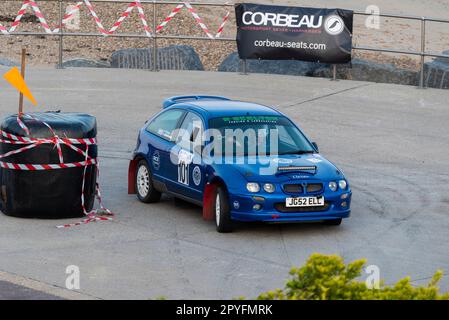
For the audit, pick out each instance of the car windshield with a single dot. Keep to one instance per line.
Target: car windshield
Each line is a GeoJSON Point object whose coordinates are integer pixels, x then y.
{"type": "Point", "coordinates": [257, 135]}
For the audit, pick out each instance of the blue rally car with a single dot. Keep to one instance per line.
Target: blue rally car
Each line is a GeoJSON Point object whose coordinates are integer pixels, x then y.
{"type": "Point", "coordinates": [239, 161]}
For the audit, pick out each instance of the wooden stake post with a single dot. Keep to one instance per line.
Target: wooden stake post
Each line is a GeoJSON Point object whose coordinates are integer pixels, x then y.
{"type": "Point", "coordinates": [22, 71]}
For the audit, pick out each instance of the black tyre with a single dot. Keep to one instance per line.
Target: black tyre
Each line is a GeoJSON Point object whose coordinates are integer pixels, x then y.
{"type": "Point", "coordinates": [333, 222]}
{"type": "Point", "coordinates": [144, 185]}
{"type": "Point", "coordinates": [222, 212]}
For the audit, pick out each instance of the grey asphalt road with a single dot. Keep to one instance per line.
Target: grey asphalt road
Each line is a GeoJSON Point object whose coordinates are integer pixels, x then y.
{"type": "Point", "coordinates": [11, 291]}
{"type": "Point", "coordinates": [390, 140]}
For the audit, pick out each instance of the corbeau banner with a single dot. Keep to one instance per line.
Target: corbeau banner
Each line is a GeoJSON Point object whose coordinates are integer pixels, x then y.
{"type": "Point", "coordinates": [285, 33]}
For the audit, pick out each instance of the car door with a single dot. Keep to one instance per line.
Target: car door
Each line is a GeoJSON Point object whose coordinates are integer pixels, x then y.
{"type": "Point", "coordinates": [163, 132]}
{"type": "Point", "coordinates": [187, 162]}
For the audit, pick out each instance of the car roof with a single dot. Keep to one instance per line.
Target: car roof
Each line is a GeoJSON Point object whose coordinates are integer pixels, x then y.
{"type": "Point", "coordinates": [218, 108]}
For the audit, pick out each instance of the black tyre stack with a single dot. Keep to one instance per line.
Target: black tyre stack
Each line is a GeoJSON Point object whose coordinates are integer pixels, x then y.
{"type": "Point", "coordinates": [49, 193]}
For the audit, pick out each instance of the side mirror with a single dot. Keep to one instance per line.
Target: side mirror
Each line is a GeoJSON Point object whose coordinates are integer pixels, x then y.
{"type": "Point", "coordinates": [315, 146]}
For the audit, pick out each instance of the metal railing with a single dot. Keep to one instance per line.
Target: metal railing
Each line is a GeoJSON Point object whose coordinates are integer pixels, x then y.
{"type": "Point", "coordinates": [154, 35]}
{"type": "Point", "coordinates": [423, 53]}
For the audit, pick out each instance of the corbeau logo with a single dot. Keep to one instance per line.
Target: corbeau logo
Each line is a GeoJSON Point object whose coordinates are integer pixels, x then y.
{"type": "Point", "coordinates": [281, 20]}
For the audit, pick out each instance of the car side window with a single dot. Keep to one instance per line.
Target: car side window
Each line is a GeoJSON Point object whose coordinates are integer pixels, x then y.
{"type": "Point", "coordinates": [190, 133]}
{"type": "Point", "coordinates": [164, 124]}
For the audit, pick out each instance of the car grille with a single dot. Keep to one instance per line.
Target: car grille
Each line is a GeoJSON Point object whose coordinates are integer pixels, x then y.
{"type": "Point", "coordinates": [293, 188]}
{"type": "Point", "coordinates": [296, 188]}
{"type": "Point", "coordinates": [314, 187]}
{"type": "Point", "coordinates": [280, 206]}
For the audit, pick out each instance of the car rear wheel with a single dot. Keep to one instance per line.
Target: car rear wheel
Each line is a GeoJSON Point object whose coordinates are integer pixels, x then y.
{"type": "Point", "coordinates": [144, 185]}
{"type": "Point", "coordinates": [333, 222]}
{"type": "Point", "coordinates": [222, 212]}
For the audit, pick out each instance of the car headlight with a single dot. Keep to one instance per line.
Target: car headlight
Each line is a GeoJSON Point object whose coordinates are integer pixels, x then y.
{"type": "Point", "coordinates": [333, 186]}
{"type": "Point", "coordinates": [268, 187]}
{"type": "Point", "coordinates": [342, 184]}
{"type": "Point", "coordinates": [252, 187]}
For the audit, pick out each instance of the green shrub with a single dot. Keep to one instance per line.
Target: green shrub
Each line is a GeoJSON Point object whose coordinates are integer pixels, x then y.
{"type": "Point", "coordinates": [326, 277]}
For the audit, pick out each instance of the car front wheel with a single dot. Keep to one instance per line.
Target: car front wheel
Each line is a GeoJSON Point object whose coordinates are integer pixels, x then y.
{"type": "Point", "coordinates": [144, 185]}
{"type": "Point", "coordinates": [222, 212]}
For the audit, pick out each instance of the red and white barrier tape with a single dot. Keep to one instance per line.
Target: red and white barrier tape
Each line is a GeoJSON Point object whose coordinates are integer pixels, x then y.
{"type": "Point", "coordinates": [17, 19]}
{"type": "Point", "coordinates": [117, 24]}
{"type": "Point", "coordinates": [101, 214]}
{"type": "Point", "coordinates": [68, 16]}
{"type": "Point", "coordinates": [22, 125]}
{"type": "Point", "coordinates": [96, 18]}
{"type": "Point", "coordinates": [71, 13]}
{"type": "Point", "coordinates": [198, 19]}
{"type": "Point", "coordinates": [143, 18]}
{"type": "Point", "coordinates": [223, 24]}
{"type": "Point", "coordinates": [169, 17]}
{"type": "Point", "coordinates": [37, 13]}
{"type": "Point", "coordinates": [13, 139]}
{"type": "Point", "coordinates": [40, 167]}
{"type": "Point", "coordinates": [124, 15]}
{"type": "Point", "coordinates": [4, 30]}
{"type": "Point", "coordinates": [92, 216]}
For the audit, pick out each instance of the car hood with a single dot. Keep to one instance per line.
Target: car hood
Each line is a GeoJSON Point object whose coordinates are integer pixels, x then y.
{"type": "Point", "coordinates": [288, 167]}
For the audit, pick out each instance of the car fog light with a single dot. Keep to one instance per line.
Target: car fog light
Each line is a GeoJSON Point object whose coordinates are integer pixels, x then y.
{"type": "Point", "coordinates": [344, 196]}
{"type": "Point", "coordinates": [257, 207]}
{"type": "Point", "coordinates": [342, 184]}
{"type": "Point", "coordinates": [344, 204]}
{"type": "Point", "coordinates": [236, 204]}
{"type": "Point", "coordinates": [268, 187]}
{"type": "Point", "coordinates": [333, 186]}
{"type": "Point", "coordinates": [252, 187]}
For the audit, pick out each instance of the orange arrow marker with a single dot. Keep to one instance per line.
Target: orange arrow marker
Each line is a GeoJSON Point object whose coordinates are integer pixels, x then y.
{"type": "Point", "coordinates": [14, 77]}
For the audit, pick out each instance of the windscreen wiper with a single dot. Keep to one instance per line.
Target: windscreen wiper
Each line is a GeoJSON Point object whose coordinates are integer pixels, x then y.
{"type": "Point", "coordinates": [297, 152]}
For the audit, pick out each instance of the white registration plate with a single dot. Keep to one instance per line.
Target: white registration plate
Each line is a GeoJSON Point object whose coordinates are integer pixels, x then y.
{"type": "Point", "coordinates": [304, 202]}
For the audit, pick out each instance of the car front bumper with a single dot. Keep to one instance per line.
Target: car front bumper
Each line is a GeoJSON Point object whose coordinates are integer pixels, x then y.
{"type": "Point", "coordinates": [241, 206]}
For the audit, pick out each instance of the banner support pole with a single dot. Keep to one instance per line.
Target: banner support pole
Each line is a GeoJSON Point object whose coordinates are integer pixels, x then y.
{"type": "Point", "coordinates": [244, 70]}
{"type": "Point", "coordinates": [334, 72]}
